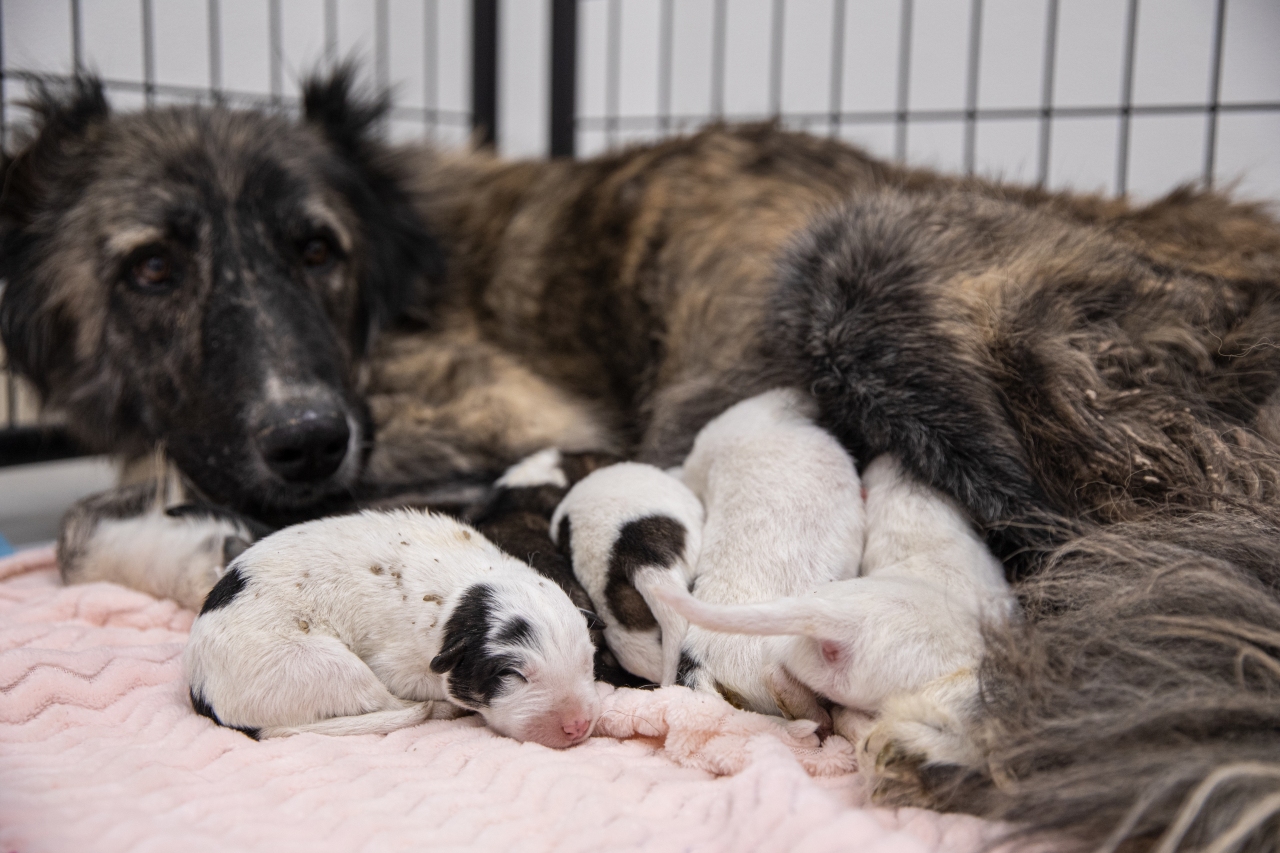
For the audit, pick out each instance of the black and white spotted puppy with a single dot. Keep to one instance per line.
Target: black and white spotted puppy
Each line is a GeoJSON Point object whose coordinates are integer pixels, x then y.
{"type": "Point", "coordinates": [631, 529]}
{"type": "Point", "coordinates": [516, 516]}
{"type": "Point", "coordinates": [912, 620]}
{"type": "Point", "coordinates": [372, 622]}
{"type": "Point", "coordinates": [784, 515]}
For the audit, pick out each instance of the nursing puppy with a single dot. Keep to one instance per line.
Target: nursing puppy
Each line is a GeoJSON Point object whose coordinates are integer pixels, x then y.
{"type": "Point", "coordinates": [515, 516]}
{"type": "Point", "coordinates": [914, 615]}
{"type": "Point", "coordinates": [368, 623]}
{"type": "Point", "coordinates": [784, 515]}
{"type": "Point", "coordinates": [632, 529]}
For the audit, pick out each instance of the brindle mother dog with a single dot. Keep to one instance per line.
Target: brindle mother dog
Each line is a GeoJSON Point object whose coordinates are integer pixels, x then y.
{"type": "Point", "coordinates": [1096, 382]}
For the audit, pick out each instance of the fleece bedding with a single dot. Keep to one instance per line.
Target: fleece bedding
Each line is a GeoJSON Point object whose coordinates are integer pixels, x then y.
{"type": "Point", "coordinates": [100, 752]}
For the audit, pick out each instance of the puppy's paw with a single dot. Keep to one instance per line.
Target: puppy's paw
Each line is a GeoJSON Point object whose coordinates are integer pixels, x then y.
{"type": "Point", "coordinates": [919, 739]}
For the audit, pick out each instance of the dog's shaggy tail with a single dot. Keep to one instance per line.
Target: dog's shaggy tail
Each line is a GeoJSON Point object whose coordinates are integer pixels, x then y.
{"type": "Point", "coordinates": [1138, 707]}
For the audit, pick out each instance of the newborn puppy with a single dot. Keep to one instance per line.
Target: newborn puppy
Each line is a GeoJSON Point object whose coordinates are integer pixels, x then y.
{"type": "Point", "coordinates": [784, 515]}
{"type": "Point", "coordinates": [367, 623]}
{"type": "Point", "coordinates": [913, 617]}
{"type": "Point", "coordinates": [515, 517]}
{"type": "Point", "coordinates": [630, 529]}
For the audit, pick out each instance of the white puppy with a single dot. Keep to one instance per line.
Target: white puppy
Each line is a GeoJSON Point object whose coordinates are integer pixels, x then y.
{"type": "Point", "coordinates": [914, 616]}
{"type": "Point", "coordinates": [630, 529]}
{"type": "Point", "coordinates": [784, 516]}
{"type": "Point", "coordinates": [371, 622]}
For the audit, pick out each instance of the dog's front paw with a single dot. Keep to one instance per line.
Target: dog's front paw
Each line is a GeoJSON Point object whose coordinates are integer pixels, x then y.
{"type": "Point", "coordinates": [921, 739]}
{"type": "Point", "coordinates": [126, 536]}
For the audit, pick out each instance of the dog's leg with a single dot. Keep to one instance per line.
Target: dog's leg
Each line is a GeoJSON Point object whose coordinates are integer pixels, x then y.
{"type": "Point", "coordinates": [143, 537]}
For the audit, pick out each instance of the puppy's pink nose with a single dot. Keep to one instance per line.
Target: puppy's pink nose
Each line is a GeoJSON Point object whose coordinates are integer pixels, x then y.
{"type": "Point", "coordinates": [577, 729]}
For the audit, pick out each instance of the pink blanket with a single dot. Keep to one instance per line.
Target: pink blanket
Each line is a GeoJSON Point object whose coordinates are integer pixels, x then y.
{"type": "Point", "coordinates": [100, 751]}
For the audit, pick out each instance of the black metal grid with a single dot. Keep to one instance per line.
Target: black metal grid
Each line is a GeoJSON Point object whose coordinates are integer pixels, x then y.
{"type": "Point", "coordinates": [151, 89]}
{"type": "Point", "coordinates": [903, 117]}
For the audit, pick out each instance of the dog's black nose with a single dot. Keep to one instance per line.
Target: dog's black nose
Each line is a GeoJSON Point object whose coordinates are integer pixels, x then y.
{"type": "Point", "coordinates": [304, 444]}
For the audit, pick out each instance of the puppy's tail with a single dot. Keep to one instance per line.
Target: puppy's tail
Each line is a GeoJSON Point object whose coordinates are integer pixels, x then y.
{"type": "Point", "coordinates": [375, 723]}
{"type": "Point", "coordinates": [658, 586]}
{"type": "Point", "coordinates": [803, 616]}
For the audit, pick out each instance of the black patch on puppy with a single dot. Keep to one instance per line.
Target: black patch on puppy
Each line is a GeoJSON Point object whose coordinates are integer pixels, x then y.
{"type": "Point", "coordinates": [687, 670]}
{"type": "Point", "coordinates": [564, 536]}
{"type": "Point", "coordinates": [517, 632]}
{"type": "Point", "coordinates": [476, 673]}
{"type": "Point", "coordinates": [204, 709]}
{"type": "Point", "coordinates": [655, 540]}
{"type": "Point", "coordinates": [224, 591]}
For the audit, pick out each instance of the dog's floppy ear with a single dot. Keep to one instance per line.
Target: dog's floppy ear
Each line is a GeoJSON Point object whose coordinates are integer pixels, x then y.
{"type": "Point", "coordinates": [448, 658]}
{"type": "Point", "coordinates": [401, 261]}
{"type": "Point", "coordinates": [38, 340]}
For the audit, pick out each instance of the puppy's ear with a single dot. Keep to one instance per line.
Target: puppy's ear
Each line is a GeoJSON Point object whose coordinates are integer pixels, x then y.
{"type": "Point", "coordinates": [38, 340]}
{"type": "Point", "coordinates": [448, 658]}
{"type": "Point", "coordinates": [401, 263]}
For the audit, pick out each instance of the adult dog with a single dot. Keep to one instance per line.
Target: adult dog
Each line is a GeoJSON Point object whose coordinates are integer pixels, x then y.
{"type": "Point", "coordinates": [1095, 382]}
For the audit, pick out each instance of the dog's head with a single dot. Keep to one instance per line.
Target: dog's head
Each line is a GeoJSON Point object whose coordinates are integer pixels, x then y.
{"type": "Point", "coordinates": [210, 279]}
{"type": "Point", "coordinates": [517, 651]}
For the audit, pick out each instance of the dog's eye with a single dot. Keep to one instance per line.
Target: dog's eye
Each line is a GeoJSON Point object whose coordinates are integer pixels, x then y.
{"type": "Point", "coordinates": [511, 672]}
{"type": "Point", "coordinates": [152, 270]}
{"type": "Point", "coordinates": [317, 253]}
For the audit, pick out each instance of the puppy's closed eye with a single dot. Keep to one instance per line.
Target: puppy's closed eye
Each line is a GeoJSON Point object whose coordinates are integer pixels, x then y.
{"type": "Point", "coordinates": [512, 672]}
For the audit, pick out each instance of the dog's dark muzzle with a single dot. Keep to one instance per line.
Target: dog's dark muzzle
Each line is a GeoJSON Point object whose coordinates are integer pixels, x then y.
{"type": "Point", "coordinates": [303, 442]}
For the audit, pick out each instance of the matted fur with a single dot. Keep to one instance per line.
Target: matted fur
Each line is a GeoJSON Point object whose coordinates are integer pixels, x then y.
{"type": "Point", "coordinates": [1056, 363]}
{"type": "Point", "coordinates": [1137, 706]}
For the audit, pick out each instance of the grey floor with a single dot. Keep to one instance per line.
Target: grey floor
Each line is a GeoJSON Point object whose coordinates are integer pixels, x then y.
{"type": "Point", "coordinates": [33, 497]}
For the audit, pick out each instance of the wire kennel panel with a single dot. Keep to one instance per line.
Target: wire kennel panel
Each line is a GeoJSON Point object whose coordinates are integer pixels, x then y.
{"type": "Point", "coordinates": [1112, 95]}
{"type": "Point", "coordinates": [248, 52]}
